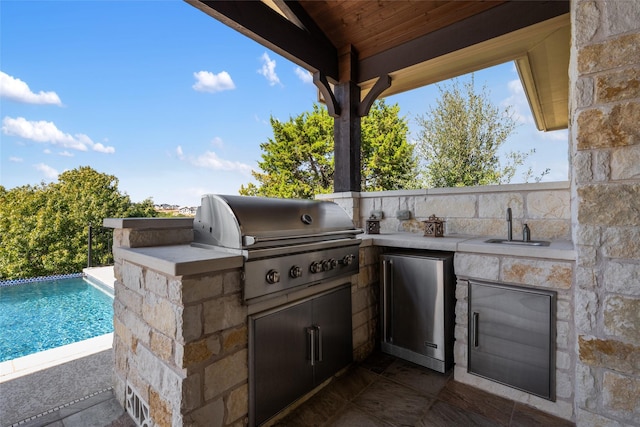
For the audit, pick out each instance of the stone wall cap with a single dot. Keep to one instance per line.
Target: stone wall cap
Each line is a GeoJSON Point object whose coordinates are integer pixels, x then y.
{"type": "Point", "coordinates": [148, 223]}
{"type": "Point", "coordinates": [538, 186]}
{"type": "Point", "coordinates": [180, 260]}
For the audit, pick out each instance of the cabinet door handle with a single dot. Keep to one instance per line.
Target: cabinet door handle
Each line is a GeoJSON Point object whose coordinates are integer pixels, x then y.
{"type": "Point", "coordinates": [386, 283]}
{"type": "Point", "coordinates": [319, 343]}
{"type": "Point", "coordinates": [476, 318]}
{"type": "Point", "coordinates": [311, 332]}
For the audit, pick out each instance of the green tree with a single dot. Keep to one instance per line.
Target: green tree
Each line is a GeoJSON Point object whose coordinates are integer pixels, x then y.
{"type": "Point", "coordinates": [461, 136]}
{"type": "Point", "coordinates": [298, 161]}
{"type": "Point", "coordinates": [388, 160]}
{"type": "Point", "coordinates": [44, 228]}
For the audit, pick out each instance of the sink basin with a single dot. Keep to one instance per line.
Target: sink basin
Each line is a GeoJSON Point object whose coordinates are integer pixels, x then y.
{"type": "Point", "coordinates": [519, 242]}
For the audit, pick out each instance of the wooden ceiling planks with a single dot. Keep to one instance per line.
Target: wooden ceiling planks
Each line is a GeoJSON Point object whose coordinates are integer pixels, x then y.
{"type": "Point", "coordinates": [375, 26]}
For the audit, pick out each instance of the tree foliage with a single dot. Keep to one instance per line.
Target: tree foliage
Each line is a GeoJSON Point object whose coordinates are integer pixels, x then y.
{"type": "Point", "coordinates": [298, 161]}
{"type": "Point", "coordinates": [388, 160]}
{"type": "Point", "coordinates": [44, 228]}
{"type": "Point", "coordinates": [461, 136]}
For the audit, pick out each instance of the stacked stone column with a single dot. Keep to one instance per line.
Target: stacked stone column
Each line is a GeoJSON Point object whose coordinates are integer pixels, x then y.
{"type": "Point", "coordinates": [605, 146]}
{"type": "Point", "coordinates": [180, 341]}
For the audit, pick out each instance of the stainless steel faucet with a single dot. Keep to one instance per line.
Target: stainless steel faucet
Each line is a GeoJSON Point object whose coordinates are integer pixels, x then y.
{"type": "Point", "coordinates": [509, 225]}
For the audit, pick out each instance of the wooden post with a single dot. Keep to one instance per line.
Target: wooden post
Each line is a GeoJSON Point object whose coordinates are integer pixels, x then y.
{"type": "Point", "coordinates": [346, 128]}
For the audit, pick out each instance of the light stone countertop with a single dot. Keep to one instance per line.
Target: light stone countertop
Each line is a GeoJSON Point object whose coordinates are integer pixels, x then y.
{"type": "Point", "coordinates": [181, 259]}
{"type": "Point", "coordinates": [560, 249]}
{"type": "Point", "coordinates": [185, 259]}
{"type": "Point", "coordinates": [413, 241]}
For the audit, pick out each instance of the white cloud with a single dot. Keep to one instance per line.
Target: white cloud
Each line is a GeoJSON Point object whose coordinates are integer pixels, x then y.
{"type": "Point", "coordinates": [16, 159]}
{"type": "Point", "coordinates": [518, 102]}
{"type": "Point", "coordinates": [303, 75]}
{"type": "Point", "coordinates": [269, 69]}
{"type": "Point", "coordinates": [65, 153]}
{"type": "Point", "coordinates": [47, 170]}
{"type": "Point", "coordinates": [47, 132]}
{"type": "Point", "coordinates": [217, 142]}
{"type": "Point", "coordinates": [211, 160]}
{"type": "Point", "coordinates": [17, 90]}
{"type": "Point", "coordinates": [206, 81]}
{"type": "Point", "coordinates": [179, 152]}
{"type": "Point", "coordinates": [103, 149]}
{"type": "Point", "coordinates": [259, 120]}
{"type": "Point", "coordinates": [556, 135]}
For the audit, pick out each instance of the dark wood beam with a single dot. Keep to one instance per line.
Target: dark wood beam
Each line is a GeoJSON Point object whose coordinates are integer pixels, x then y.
{"type": "Point", "coordinates": [289, 13]}
{"type": "Point", "coordinates": [256, 20]}
{"type": "Point", "coordinates": [346, 137]}
{"type": "Point", "coordinates": [495, 22]}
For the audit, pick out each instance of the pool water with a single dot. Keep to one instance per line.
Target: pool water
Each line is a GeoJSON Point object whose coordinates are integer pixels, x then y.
{"type": "Point", "coordinates": [47, 314]}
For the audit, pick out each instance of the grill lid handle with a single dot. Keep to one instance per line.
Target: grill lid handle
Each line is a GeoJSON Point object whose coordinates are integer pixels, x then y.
{"type": "Point", "coordinates": [252, 240]}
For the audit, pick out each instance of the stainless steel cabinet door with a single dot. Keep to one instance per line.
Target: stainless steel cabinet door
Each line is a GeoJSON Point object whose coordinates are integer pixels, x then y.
{"type": "Point", "coordinates": [295, 348]}
{"type": "Point", "coordinates": [332, 319]}
{"type": "Point", "coordinates": [281, 369]}
{"type": "Point", "coordinates": [512, 336]}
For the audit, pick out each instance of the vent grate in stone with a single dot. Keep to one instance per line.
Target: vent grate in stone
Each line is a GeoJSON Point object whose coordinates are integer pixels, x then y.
{"type": "Point", "coordinates": [137, 408]}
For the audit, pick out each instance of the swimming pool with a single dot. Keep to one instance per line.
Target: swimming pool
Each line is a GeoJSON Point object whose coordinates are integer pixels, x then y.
{"type": "Point", "coordinates": [46, 314]}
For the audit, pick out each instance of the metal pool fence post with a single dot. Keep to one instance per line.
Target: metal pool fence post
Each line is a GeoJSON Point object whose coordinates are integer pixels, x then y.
{"type": "Point", "coordinates": [89, 248]}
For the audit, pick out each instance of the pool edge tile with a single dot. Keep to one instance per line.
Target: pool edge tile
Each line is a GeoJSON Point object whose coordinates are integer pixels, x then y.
{"type": "Point", "coordinates": [56, 356]}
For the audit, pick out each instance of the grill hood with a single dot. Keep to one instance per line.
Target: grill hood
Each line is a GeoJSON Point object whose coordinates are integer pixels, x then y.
{"type": "Point", "coordinates": [244, 223]}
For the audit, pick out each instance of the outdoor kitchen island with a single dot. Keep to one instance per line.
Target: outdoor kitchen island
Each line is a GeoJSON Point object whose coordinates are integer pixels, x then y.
{"type": "Point", "coordinates": [181, 327]}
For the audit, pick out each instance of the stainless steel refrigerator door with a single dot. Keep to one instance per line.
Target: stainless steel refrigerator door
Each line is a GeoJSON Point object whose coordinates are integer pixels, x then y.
{"type": "Point", "coordinates": [414, 289]}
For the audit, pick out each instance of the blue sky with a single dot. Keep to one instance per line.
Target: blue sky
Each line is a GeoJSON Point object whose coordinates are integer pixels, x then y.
{"type": "Point", "coordinates": [170, 101]}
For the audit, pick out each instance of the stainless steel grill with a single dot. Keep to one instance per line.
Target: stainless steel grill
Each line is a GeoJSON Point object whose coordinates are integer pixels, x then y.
{"type": "Point", "coordinates": [286, 243]}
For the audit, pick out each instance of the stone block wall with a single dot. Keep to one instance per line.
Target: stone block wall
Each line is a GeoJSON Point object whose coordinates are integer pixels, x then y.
{"type": "Point", "coordinates": [535, 273]}
{"type": "Point", "coordinates": [476, 211]}
{"type": "Point", "coordinates": [605, 146]}
{"type": "Point", "coordinates": [364, 300]}
{"type": "Point", "coordinates": [180, 343]}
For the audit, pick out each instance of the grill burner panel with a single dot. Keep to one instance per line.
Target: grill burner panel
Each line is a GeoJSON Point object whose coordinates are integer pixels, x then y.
{"type": "Point", "coordinates": [273, 276]}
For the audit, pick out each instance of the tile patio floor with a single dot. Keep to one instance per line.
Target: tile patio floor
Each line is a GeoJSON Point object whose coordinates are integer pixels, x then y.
{"type": "Point", "coordinates": [383, 391]}
{"type": "Point", "coordinates": [388, 392]}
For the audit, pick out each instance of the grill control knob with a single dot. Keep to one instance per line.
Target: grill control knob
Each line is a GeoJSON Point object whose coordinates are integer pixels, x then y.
{"type": "Point", "coordinates": [326, 265]}
{"type": "Point", "coordinates": [348, 259]}
{"type": "Point", "coordinates": [333, 263]}
{"type": "Point", "coordinates": [315, 267]}
{"type": "Point", "coordinates": [273, 277]}
{"type": "Point", "coordinates": [295, 272]}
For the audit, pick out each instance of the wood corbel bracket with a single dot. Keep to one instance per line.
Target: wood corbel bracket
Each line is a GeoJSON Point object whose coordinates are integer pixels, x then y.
{"type": "Point", "coordinates": [320, 80]}
{"type": "Point", "coordinates": [382, 84]}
